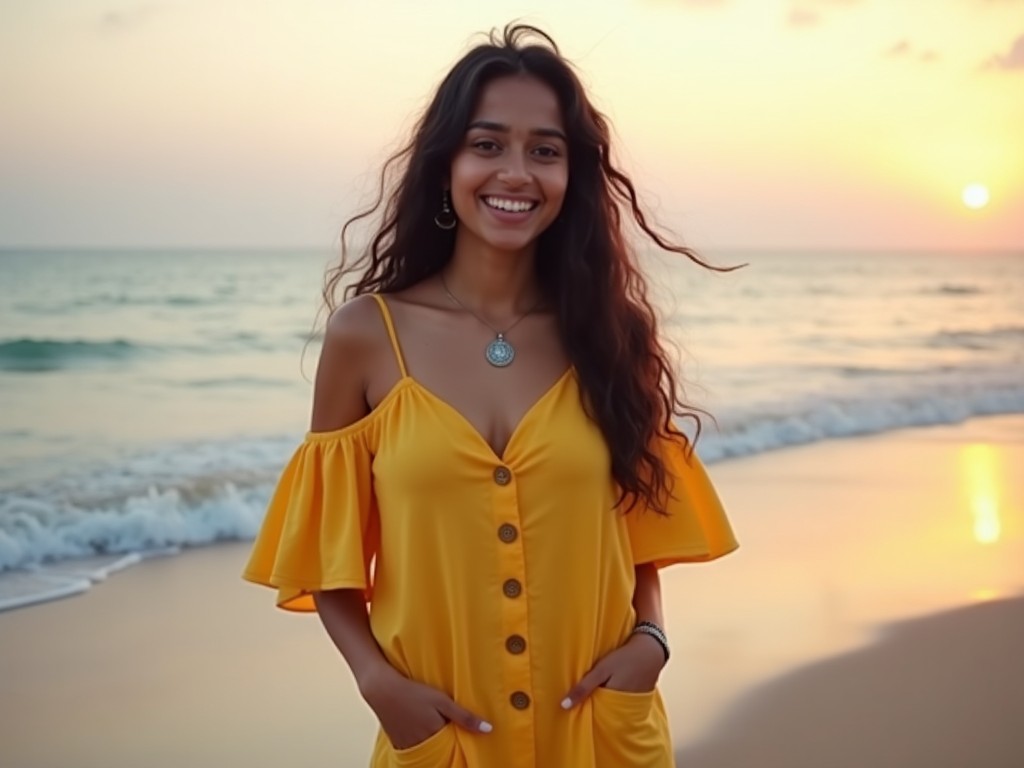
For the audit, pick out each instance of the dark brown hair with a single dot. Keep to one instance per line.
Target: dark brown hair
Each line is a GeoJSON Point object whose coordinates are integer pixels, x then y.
{"type": "Point", "coordinates": [585, 265]}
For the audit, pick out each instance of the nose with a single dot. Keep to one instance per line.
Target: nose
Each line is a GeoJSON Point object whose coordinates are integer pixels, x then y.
{"type": "Point", "coordinates": [514, 171]}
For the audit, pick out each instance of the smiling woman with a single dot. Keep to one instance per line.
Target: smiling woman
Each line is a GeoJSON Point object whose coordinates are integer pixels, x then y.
{"type": "Point", "coordinates": [493, 465]}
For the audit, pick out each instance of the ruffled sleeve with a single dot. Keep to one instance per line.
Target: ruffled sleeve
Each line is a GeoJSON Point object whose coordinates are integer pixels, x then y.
{"type": "Point", "coordinates": [321, 530]}
{"type": "Point", "coordinates": [696, 528]}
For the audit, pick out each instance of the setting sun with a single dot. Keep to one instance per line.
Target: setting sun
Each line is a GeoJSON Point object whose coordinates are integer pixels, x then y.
{"type": "Point", "coordinates": [975, 196]}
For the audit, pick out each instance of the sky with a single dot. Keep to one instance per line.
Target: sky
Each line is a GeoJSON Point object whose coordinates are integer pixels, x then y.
{"type": "Point", "coordinates": [773, 124]}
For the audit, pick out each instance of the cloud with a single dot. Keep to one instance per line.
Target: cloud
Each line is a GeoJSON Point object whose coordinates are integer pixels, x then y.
{"type": "Point", "coordinates": [1013, 60]}
{"type": "Point", "coordinates": [807, 13]}
{"type": "Point", "coordinates": [803, 17]}
{"type": "Point", "coordinates": [902, 48]}
{"type": "Point", "coordinates": [692, 3]}
{"type": "Point", "coordinates": [121, 19]}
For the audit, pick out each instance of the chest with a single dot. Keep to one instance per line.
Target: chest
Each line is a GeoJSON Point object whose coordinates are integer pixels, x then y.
{"type": "Point", "coordinates": [432, 455]}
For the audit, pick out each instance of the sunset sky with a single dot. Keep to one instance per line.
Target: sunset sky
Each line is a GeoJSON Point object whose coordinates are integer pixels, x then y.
{"type": "Point", "coordinates": [746, 123]}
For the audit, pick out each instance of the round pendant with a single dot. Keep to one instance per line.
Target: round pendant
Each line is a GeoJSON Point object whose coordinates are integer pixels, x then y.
{"type": "Point", "coordinates": [500, 353]}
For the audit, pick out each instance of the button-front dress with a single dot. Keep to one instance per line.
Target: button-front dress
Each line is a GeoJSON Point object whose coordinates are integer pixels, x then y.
{"type": "Point", "coordinates": [499, 580]}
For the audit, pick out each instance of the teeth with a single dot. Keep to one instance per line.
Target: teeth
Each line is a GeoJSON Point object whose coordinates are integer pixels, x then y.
{"type": "Point", "coordinates": [514, 206]}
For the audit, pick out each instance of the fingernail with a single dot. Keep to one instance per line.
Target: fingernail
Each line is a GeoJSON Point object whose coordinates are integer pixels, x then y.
{"type": "Point", "coordinates": [566, 703]}
{"type": "Point", "coordinates": [485, 727]}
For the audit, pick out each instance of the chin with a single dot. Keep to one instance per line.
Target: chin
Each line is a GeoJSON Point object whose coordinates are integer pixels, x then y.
{"type": "Point", "coordinates": [512, 246]}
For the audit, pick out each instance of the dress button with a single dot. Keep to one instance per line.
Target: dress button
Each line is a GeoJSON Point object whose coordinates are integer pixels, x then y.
{"type": "Point", "coordinates": [512, 588]}
{"type": "Point", "coordinates": [519, 700]}
{"type": "Point", "coordinates": [502, 475]}
{"type": "Point", "coordinates": [515, 644]}
{"type": "Point", "coordinates": [507, 533]}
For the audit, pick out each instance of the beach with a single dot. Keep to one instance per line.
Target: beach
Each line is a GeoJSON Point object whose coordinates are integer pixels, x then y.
{"type": "Point", "coordinates": [192, 191]}
{"type": "Point", "coordinates": [873, 616]}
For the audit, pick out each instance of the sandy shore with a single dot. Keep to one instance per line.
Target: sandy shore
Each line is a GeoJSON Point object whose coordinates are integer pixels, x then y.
{"type": "Point", "coordinates": [945, 691]}
{"type": "Point", "coordinates": [779, 659]}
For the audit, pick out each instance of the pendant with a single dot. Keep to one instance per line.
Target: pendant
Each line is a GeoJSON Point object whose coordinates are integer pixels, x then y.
{"type": "Point", "coordinates": [499, 352]}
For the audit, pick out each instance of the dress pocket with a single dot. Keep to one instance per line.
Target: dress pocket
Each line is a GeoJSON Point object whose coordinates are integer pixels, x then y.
{"type": "Point", "coordinates": [436, 751]}
{"type": "Point", "coordinates": [630, 729]}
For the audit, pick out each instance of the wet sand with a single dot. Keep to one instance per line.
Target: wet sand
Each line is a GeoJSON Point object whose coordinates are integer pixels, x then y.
{"type": "Point", "coordinates": [944, 691]}
{"type": "Point", "coordinates": [780, 653]}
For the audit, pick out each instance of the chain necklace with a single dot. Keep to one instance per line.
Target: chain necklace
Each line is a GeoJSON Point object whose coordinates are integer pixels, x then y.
{"type": "Point", "coordinates": [499, 352]}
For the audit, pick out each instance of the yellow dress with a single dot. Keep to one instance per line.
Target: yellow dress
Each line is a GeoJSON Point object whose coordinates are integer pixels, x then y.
{"type": "Point", "coordinates": [500, 580]}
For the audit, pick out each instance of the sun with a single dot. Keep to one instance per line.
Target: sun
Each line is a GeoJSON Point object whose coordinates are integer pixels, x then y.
{"type": "Point", "coordinates": [975, 196]}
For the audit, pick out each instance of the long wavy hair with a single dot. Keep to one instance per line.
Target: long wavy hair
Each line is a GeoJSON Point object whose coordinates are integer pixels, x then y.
{"type": "Point", "coordinates": [586, 267]}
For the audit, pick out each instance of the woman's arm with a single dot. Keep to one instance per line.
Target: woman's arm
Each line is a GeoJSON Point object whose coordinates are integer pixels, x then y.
{"type": "Point", "coordinates": [408, 711]}
{"type": "Point", "coordinates": [344, 616]}
{"type": "Point", "coordinates": [339, 399]}
{"type": "Point", "coordinates": [647, 594]}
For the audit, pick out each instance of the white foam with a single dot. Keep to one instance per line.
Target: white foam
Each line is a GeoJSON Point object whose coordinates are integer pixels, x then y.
{"type": "Point", "coordinates": [745, 434]}
{"type": "Point", "coordinates": [21, 588]}
{"type": "Point", "coordinates": [35, 531]}
{"type": "Point", "coordinates": [94, 569]}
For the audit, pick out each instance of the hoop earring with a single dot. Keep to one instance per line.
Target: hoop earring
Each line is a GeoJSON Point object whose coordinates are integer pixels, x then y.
{"type": "Point", "coordinates": [446, 218]}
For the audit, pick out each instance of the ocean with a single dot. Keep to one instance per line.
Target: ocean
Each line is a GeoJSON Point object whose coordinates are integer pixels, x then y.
{"type": "Point", "coordinates": [149, 398]}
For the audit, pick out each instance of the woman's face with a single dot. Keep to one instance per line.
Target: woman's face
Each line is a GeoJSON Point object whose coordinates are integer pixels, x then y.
{"type": "Point", "coordinates": [508, 178]}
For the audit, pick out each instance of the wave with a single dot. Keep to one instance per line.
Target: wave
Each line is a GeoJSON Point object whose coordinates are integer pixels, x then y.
{"type": "Point", "coordinates": [181, 494]}
{"type": "Point", "coordinates": [27, 355]}
{"type": "Point", "coordinates": [142, 300]}
{"type": "Point", "coordinates": [35, 532]}
{"type": "Point", "coordinates": [33, 355]}
{"type": "Point", "coordinates": [248, 382]}
{"type": "Point", "coordinates": [970, 338]}
{"type": "Point", "coordinates": [954, 289]}
{"type": "Point", "coordinates": [817, 420]}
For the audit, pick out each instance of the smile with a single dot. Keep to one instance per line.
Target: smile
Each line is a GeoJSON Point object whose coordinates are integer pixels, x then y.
{"type": "Point", "coordinates": [508, 205]}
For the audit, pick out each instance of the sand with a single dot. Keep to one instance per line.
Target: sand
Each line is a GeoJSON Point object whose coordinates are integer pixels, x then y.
{"type": "Point", "coordinates": [871, 617]}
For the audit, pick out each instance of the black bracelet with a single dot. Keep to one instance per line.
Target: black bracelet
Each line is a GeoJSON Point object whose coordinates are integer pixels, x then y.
{"type": "Point", "coordinates": [653, 630]}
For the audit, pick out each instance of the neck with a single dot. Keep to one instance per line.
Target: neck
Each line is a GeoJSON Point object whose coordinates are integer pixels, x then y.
{"type": "Point", "coordinates": [499, 285]}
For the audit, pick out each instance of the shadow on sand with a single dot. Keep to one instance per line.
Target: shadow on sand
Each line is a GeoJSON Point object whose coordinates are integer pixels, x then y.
{"type": "Point", "coordinates": [944, 691]}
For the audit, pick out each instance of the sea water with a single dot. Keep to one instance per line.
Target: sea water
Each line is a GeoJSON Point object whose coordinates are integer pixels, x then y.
{"type": "Point", "coordinates": [149, 399]}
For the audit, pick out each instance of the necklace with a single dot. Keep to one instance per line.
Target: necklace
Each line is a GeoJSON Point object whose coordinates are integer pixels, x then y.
{"type": "Point", "coordinates": [499, 352]}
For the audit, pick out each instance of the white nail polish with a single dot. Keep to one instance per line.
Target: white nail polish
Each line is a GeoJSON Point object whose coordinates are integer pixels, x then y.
{"type": "Point", "coordinates": [566, 703]}
{"type": "Point", "coordinates": [486, 727]}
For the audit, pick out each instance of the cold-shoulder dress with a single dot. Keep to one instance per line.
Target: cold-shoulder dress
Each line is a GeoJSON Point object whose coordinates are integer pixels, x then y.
{"type": "Point", "coordinates": [500, 580]}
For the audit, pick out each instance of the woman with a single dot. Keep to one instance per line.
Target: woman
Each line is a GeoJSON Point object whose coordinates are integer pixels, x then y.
{"type": "Point", "coordinates": [492, 478]}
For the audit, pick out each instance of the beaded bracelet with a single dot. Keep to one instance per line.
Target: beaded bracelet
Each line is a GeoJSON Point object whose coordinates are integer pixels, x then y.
{"type": "Point", "coordinates": [653, 630]}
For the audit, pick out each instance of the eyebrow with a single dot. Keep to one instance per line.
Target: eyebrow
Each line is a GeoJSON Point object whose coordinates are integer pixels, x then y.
{"type": "Point", "coordinates": [487, 125]}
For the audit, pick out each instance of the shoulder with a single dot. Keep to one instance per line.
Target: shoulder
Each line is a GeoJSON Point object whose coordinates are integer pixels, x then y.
{"type": "Point", "coordinates": [354, 325]}
{"type": "Point", "coordinates": [353, 340]}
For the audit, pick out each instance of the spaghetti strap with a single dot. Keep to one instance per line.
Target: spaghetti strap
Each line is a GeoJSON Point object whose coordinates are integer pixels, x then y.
{"type": "Point", "coordinates": [391, 333]}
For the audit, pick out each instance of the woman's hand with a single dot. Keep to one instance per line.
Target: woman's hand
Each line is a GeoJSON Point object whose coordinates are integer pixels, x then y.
{"type": "Point", "coordinates": [411, 712]}
{"type": "Point", "coordinates": [632, 667]}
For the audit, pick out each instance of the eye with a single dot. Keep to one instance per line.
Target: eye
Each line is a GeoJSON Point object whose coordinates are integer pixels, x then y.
{"type": "Point", "coordinates": [548, 151]}
{"type": "Point", "coordinates": [485, 145]}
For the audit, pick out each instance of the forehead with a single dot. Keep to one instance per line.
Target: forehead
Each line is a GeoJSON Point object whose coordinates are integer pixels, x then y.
{"type": "Point", "coordinates": [519, 101]}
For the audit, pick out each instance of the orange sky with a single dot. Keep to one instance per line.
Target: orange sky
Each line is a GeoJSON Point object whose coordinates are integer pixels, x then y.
{"type": "Point", "coordinates": [747, 123]}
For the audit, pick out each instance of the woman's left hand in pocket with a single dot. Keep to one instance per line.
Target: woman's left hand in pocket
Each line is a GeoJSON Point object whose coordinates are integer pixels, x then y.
{"type": "Point", "coordinates": [633, 667]}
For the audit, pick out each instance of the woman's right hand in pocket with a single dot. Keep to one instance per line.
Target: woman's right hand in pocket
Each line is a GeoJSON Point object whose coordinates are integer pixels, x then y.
{"type": "Point", "coordinates": [412, 712]}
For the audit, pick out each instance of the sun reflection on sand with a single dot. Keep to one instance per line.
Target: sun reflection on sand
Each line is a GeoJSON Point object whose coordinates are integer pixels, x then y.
{"type": "Point", "coordinates": [982, 595]}
{"type": "Point", "coordinates": [980, 465]}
